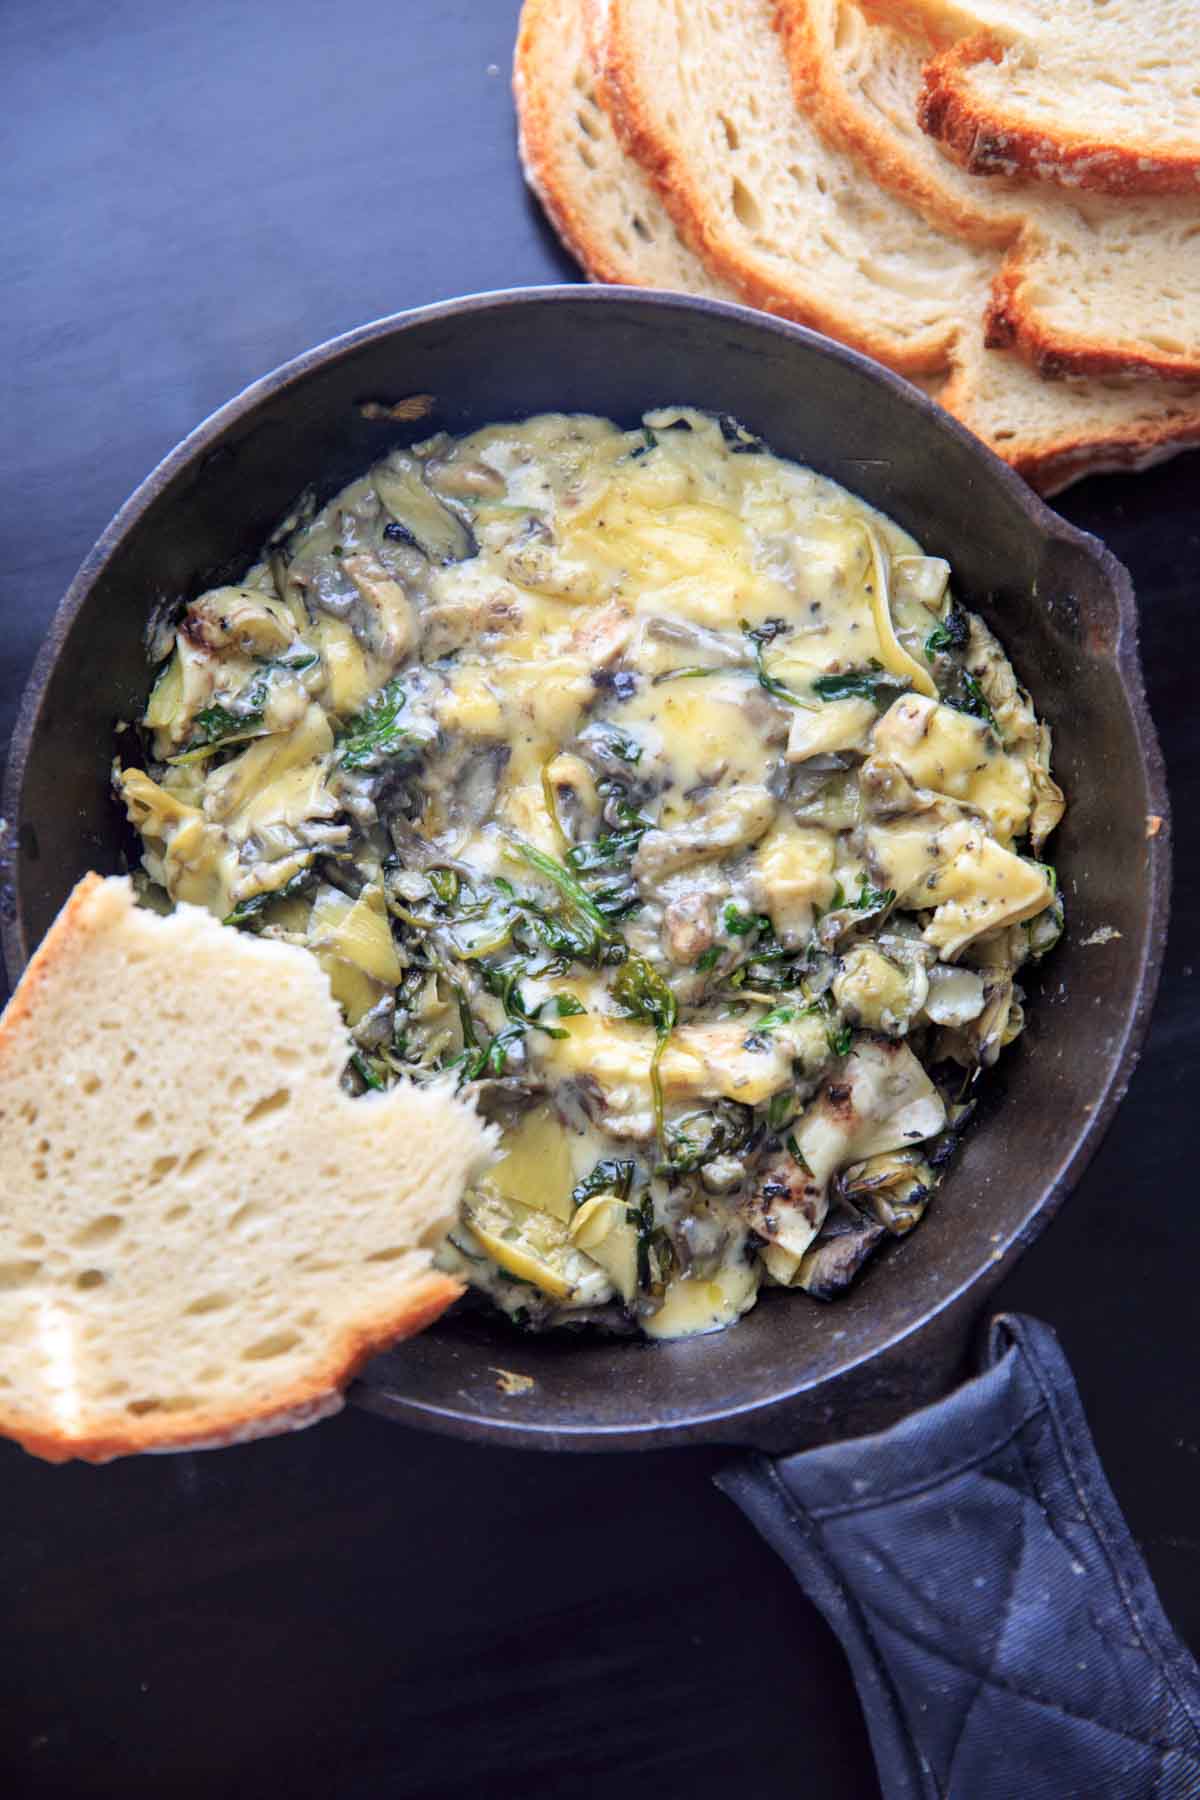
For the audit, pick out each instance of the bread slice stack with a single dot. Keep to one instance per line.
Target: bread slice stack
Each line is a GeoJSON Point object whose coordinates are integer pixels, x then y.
{"type": "Point", "coordinates": [771, 151]}
{"type": "Point", "coordinates": [202, 1236]}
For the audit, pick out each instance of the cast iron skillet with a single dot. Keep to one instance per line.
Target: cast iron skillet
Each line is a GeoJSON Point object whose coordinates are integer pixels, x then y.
{"type": "Point", "coordinates": [792, 1372]}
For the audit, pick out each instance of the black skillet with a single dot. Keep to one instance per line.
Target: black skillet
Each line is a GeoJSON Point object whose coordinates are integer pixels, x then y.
{"type": "Point", "coordinates": [792, 1373]}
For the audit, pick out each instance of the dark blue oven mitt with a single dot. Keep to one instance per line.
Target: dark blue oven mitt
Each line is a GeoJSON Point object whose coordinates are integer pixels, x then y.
{"type": "Point", "coordinates": [1003, 1630]}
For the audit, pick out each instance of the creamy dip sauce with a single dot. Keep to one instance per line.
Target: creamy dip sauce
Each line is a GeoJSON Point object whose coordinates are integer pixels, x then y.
{"type": "Point", "coordinates": [655, 790]}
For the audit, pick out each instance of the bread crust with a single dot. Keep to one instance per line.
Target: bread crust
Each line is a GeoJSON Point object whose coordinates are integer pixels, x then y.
{"type": "Point", "coordinates": [302, 1403]}
{"type": "Point", "coordinates": [845, 127]}
{"type": "Point", "coordinates": [1052, 463]}
{"type": "Point", "coordinates": [1010, 323]}
{"type": "Point", "coordinates": [536, 127]}
{"type": "Point", "coordinates": [684, 202]}
{"type": "Point", "coordinates": [992, 143]}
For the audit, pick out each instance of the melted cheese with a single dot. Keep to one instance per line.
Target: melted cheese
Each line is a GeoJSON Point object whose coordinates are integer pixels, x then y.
{"type": "Point", "coordinates": [793, 869]}
{"type": "Point", "coordinates": [951, 753]}
{"type": "Point", "coordinates": [571, 614]}
{"type": "Point", "coordinates": [701, 1062]}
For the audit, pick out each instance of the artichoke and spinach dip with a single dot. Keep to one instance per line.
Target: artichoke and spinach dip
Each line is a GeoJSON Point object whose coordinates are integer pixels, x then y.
{"type": "Point", "coordinates": [660, 790]}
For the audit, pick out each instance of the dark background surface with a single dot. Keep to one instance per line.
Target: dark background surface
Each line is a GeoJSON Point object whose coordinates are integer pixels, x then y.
{"type": "Point", "coordinates": [189, 196]}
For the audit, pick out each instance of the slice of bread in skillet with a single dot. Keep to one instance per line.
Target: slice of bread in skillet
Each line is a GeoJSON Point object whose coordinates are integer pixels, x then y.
{"type": "Point", "coordinates": [1090, 285]}
{"type": "Point", "coordinates": [202, 1236]}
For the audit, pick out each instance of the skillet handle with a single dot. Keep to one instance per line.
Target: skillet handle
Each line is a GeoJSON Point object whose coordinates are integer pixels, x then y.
{"type": "Point", "coordinates": [1002, 1628]}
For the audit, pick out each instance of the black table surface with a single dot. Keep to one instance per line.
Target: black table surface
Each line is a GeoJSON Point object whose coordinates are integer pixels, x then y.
{"type": "Point", "coordinates": [192, 194]}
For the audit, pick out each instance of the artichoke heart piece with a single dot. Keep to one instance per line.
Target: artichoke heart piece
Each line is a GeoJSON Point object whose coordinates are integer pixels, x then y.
{"type": "Point", "coordinates": [534, 1247]}
{"type": "Point", "coordinates": [361, 935]}
{"type": "Point", "coordinates": [921, 578]}
{"type": "Point", "coordinates": [199, 866]}
{"type": "Point", "coordinates": [792, 871]}
{"type": "Point", "coordinates": [781, 1265]}
{"type": "Point", "coordinates": [1049, 802]}
{"type": "Point", "coordinates": [892, 654]}
{"type": "Point", "coordinates": [166, 700]}
{"type": "Point", "coordinates": [894, 1188]}
{"type": "Point", "coordinates": [693, 1306]}
{"type": "Point", "coordinates": [875, 992]}
{"type": "Point", "coordinates": [841, 725]}
{"type": "Point", "coordinates": [349, 679]}
{"type": "Point", "coordinates": [983, 887]}
{"type": "Point", "coordinates": [703, 1061]}
{"type": "Point", "coordinates": [725, 1060]}
{"type": "Point", "coordinates": [955, 995]}
{"type": "Point", "coordinates": [602, 1227]}
{"type": "Point", "coordinates": [182, 690]}
{"type": "Point", "coordinates": [949, 752]}
{"type": "Point", "coordinates": [239, 793]}
{"type": "Point", "coordinates": [192, 858]}
{"type": "Point", "coordinates": [881, 1100]}
{"type": "Point", "coordinates": [152, 810]}
{"type": "Point", "coordinates": [422, 518]}
{"type": "Point", "coordinates": [243, 619]}
{"type": "Point", "coordinates": [534, 1166]}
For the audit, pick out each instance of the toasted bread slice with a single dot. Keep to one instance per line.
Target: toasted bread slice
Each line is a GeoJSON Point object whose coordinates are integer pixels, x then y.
{"type": "Point", "coordinates": [1090, 286]}
{"type": "Point", "coordinates": [1098, 94]}
{"type": "Point", "coordinates": [202, 1236]}
{"type": "Point", "coordinates": [701, 98]}
{"type": "Point", "coordinates": [1053, 432]}
{"type": "Point", "coordinates": [602, 207]}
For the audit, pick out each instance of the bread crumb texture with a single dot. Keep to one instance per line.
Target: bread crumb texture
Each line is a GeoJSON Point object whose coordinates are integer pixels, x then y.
{"type": "Point", "coordinates": [202, 1236]}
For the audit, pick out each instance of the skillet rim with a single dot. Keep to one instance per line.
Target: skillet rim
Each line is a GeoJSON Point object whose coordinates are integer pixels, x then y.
{"type": "Point", "coordinates": [746, 1422]}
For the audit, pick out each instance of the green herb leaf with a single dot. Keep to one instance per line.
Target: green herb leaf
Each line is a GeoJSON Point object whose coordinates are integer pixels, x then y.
{"type": "Point", "coordinates": [216, 727]}
{"type": "Point", "coordinates": [614, 1175]}
{"type": "Point", "coordinates": [367, 1073]}
{"type": "Point", "coordinates": [568, 1007]}
{"type": "Point", "coordinates": [797, 1155]}
{"type": "Point", "coordinates": [760, 636]}
{"type": "Point", "coordinates": [247, 914]}
{"type": "Point", "coordinates": [971, 700]}
{"type": "Point", "coordinates": [613, 850]}
{"type": "Point", "coordinates": [571, 889]}
{"type": "Point", "coordinates": [839, 1038]}
{"type": "Point", "coordinates": [445, 884]}
{"type": "Point", "coordinates": [694, 673]}
{"type": "Point", "coordinates": [622, 745]}
{"type": "Point", "coordinates": [708, 959]}
{"type": "Point", "coordinates": [873, 899]}
{"type": "Point", "coordinates": [700, 1136]}
{"type": "Point", "coordinates": [641, 1217]}
{"type": "Point", "coordinates": [740, 924]}
{"type": "Point", "coordinates": [779, 1015]}
{"type": "Point", "coordinates": [780, 1108]}
{"type": "Point", "coordinates": [950, 634]}
{"type": "Point", "coordinates": [645, 994]}
{"type": "Point", "coordinates": [861, 684]}
{"type": "Point", "coordinates": [376, 735]}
